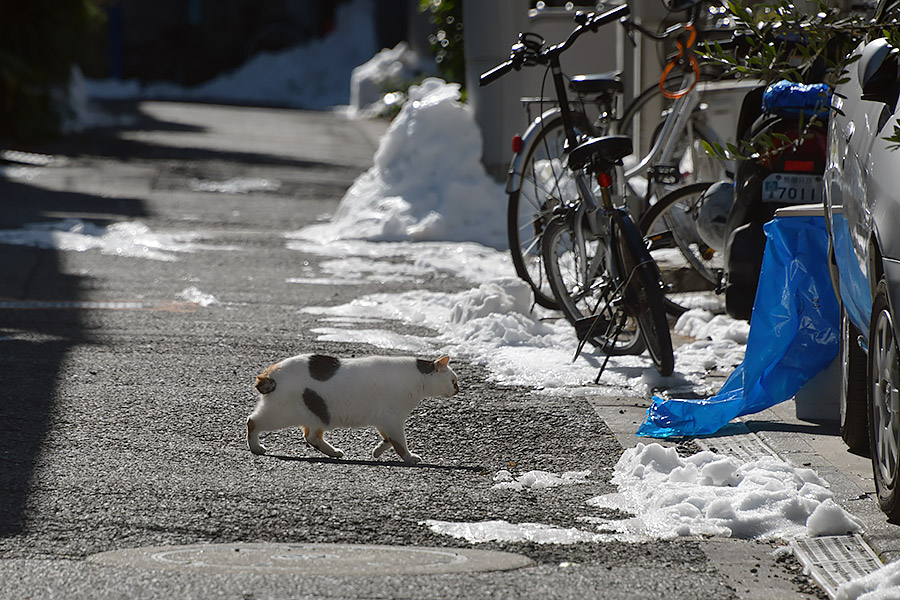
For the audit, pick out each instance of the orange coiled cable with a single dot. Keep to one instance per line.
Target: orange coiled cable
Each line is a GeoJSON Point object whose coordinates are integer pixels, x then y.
{"type": "Point", "coordinates": [683, 51]}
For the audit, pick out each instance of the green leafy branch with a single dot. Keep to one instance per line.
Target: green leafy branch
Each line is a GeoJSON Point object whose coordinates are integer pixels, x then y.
{"type": "Point", "coordinates": [777, 41]}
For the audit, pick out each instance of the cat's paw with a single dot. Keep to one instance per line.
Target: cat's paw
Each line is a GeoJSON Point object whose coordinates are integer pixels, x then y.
{"type": "Point", "coordinates": [258, 449]}
{"type": "Point", "coordinates": [413, 459]}
{"type": "Point", "coordinates": [380, 449]}
{"type": "Point", "coordinates": [330, 452]}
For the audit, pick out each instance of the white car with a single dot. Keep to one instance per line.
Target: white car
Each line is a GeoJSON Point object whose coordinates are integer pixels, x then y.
{"type": "Point", "coordinates": [862, 203]}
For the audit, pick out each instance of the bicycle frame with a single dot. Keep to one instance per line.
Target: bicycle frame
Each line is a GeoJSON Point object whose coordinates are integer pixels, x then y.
{"type": "Point", "coordinates": [663, 147]}
{"type": "Point", "coordinates": [675, 124]}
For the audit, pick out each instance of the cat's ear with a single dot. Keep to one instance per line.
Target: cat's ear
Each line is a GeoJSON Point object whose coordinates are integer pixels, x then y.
{"type": "Point", "coordinates": [441, 363]}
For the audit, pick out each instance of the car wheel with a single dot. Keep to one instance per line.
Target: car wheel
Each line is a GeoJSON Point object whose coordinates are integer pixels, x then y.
{"type": "Point", "coordinates": [884, 404]}
{"type": "Point", "coordinates": [854, 420]}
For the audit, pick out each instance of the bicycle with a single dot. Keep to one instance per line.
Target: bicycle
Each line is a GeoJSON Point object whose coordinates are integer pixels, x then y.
{"type": "Point", "coordinates": [604, 244]}
{"type": "Point", "coordinates": [536, 183]}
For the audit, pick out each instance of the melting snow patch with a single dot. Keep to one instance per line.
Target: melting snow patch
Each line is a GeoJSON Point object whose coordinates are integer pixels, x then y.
{"type": "Point", "coordinates": [236, 185]}
{"type": "Point", "coordinates": [128, 238]}
{"type": "Point", "coordinates": [199, 298]}
{"type": "Point", "coordinates": [503, 531]}
{"type": "Point", "coordinates": [469, 261]}
{"type": "Point", "coordinates": [537, 480]}
{"type": "Point", "coordinates": [374, 337]}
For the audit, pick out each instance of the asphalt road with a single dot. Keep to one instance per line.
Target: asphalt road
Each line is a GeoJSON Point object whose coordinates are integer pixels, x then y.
{"type": "Point", "coordinates": [123, 424]}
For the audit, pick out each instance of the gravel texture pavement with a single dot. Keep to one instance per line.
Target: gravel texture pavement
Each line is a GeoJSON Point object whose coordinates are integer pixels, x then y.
{"type": "Point", "coordinates": [124, 425]}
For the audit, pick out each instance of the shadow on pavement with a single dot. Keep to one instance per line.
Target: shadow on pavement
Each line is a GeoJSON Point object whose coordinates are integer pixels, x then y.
{"type": "Point", "coordinates": [114, 142]}
{"type": "Point", "coordinates": [34, 344]}
{"type": "Point", "coordinates": [832, 428]}
{"type": "Point", "coordinates": [375, 463]}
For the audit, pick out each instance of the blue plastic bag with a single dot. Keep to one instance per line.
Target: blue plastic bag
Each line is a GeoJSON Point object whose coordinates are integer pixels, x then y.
{"type": "Point", "coordinates": [791, 99]}
{"type": "Point", "coordinates": [794, 333]}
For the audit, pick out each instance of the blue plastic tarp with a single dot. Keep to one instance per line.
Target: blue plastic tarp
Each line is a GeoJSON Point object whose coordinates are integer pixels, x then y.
{"type": "Point", "coordinates": [794, 333]}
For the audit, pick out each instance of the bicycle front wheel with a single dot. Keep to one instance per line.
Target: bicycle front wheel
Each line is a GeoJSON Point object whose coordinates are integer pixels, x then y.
{"type": "Point", "coordinates": [690, 268]}
{"type": "Point", "coordinates": [588, 295]}
{"type": "Point", "coordinates": [644, 292]}
{"type": "Point", "coordinates": [545, 185]}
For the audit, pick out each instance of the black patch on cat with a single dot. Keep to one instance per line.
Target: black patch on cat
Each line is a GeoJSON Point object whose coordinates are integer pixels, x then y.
{"type": "Point", "coordinates": [316, 405]}
{"type": "Point", "coordinates": [425, 367]}
{"type": "Point", "coordinates": [323, 368]}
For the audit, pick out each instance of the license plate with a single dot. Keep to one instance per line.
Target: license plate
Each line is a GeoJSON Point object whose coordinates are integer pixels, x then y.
{"type": "Point", "coordinates": [792, 188]}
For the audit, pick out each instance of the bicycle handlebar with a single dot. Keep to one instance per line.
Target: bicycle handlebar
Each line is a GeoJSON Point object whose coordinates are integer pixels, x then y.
{"type": "Point", "coordinates": [496, 73]}
{"type": "Point", "coordinates": [518, 53]}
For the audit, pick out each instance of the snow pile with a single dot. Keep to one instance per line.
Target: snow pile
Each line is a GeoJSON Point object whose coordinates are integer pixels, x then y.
{"type": "Point", "coordinates": [427, 182]}
{"type": "Point", "coordinates": [711, 494]}
{"type": "Point", "coordinates": [236, 185]}
{"type": "Point", "coordinates": [126, 238]}
{"type": "Point", "coordinates": [373, 84]}
{"type": "Point", "coordinates": [195, 296]}
{"type": "Point", "coordinates": [312, 76]}
{"type": "Point", "coordinates": [702, 495]}
{"type": "Point", "coordinates": [883, 584]}
{"type": "Point", "coordinates": [720, 341]}
{"type": "Point", "coordinates": [537, 480]}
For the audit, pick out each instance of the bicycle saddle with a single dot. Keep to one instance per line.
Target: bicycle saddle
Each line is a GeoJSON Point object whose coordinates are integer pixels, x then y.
{"type": "Point", "coordinates": [610, 149]}
{"type": "Point", "coordinates": [598, 83]}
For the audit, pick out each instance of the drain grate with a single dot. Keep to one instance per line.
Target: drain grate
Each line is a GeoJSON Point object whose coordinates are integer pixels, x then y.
{"type": "Point", "coordinates": [738, 441]}
{"type": "Point", "coordinates": [834, 560]}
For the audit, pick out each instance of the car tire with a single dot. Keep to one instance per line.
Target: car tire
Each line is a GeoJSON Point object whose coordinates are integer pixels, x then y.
{"type": "Point", "coordinates": [853, 392]}
{"type": "Point", "coordinates": [884, 386]}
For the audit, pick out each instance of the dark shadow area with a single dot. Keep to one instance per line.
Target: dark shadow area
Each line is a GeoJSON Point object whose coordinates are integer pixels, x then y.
{"type": "Point", "coordinates": [35, 343]}
{"type": "Point", "coordinates": [23, 203]}
{"type": "Point", "coordinates": [110, 143]}
{"type": "Point", "coordinates": [832, 428]}
{"type": "Point", "coordinates": [375, 463]}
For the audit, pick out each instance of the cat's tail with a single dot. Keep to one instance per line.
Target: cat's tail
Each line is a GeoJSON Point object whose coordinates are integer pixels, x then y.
{"type": "Point", "coordinates": [264, 383]}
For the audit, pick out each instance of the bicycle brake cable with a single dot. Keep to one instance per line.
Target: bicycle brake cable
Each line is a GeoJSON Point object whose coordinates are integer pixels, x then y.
{"type": "Point", "coordinates": [685, 52]}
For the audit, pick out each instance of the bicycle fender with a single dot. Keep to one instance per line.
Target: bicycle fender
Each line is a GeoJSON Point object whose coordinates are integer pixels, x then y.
{"type": "Point", "coordinates": [514, 175]}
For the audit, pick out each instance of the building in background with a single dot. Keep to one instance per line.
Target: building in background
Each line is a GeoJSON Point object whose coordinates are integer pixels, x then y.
{"type": "Point", "coordinates": [188, 42]}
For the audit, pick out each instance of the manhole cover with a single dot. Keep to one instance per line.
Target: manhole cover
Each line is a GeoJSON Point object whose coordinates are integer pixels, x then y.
{"type": "Point", "coordinates": [313, 559]}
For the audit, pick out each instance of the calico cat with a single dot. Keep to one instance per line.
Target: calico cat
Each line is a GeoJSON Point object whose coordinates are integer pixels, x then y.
{"type": "Point", "coordinates": [320, 393]}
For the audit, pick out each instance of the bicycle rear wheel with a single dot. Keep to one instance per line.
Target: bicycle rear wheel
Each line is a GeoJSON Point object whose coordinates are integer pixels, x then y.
{"type": "Point", "coordinates": [588, 295]}
{"type": "Point", "coordinates": [545, 185]}
{"type": "Point", "coordinates": [690, 268]}
{"type": "Point", "coordinates": [644, 292]}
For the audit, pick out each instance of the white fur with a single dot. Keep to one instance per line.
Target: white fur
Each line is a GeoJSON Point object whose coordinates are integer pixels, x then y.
{"type": "Point", "coordinates": [376, 391]}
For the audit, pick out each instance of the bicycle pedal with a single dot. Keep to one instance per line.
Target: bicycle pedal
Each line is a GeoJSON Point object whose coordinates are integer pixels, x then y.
{"type": "Point", "coordinates": [665, 174]}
